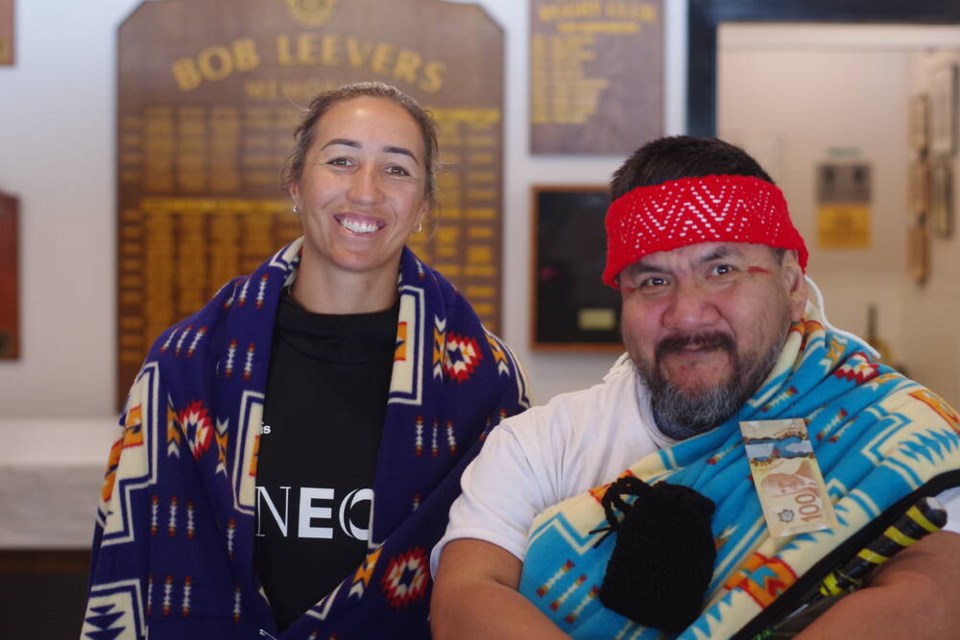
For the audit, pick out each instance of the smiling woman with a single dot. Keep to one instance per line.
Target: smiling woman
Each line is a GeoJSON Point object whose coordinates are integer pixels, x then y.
{"type": "Point", "coordinates": [362, 190]}
{"type": "Point", "coordinates": [304, 394]}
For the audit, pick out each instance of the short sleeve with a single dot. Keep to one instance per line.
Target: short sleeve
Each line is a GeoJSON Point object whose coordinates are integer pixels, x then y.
{"type": "Point", "coordinates": [502, 492]}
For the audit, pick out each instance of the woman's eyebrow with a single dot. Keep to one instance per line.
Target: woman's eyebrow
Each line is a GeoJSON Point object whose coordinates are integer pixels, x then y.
{"type": "Point", "coordinates": [344, 141]}
{"type": "Point", "coordinates": [386, 149]}
{"type": "Point", "coordinates": [403, 151]}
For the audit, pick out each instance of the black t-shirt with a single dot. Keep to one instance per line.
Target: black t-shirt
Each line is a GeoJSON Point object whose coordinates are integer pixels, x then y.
{"type": "Point", "coordinates": [323, 417]}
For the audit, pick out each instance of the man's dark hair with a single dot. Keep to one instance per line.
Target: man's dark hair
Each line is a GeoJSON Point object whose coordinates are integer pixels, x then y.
{"type": "Point", "coordinates": [675, 157]}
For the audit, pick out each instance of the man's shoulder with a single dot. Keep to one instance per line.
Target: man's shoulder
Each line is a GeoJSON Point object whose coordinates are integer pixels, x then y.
{"type": "Point", "coordinates": [612, 396]}
{"type": "Point", "coordinates": [617, 384]}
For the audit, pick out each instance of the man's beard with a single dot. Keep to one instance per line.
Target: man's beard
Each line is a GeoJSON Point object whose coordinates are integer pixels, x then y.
{"type": "Point", "coordinates": [688, 413]}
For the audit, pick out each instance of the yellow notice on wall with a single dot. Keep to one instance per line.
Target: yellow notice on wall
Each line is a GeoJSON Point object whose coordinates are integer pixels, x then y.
{"type": "Point", "coordinates": [843, 204]}
{"type": "Point", "coordinates": [843, 226]}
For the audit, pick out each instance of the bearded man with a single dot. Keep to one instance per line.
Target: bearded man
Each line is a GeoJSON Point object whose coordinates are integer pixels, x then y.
{"type": "Point", "coordinates": [641, 507]}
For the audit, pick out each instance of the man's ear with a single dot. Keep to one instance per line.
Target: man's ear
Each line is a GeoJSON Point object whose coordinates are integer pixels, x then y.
{"type": "Point", "coordinates": [795, 283]}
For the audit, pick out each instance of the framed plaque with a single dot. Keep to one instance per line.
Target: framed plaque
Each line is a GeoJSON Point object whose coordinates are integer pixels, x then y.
{"type": "Point", "coordinates": [6, 31]}
{"type": "Point", "coordinates": [918, 251]}
{"type": "Point", "coordinates": [9, 279]}
{"type": "Point", "coordinates": [596, 76]}
{"type": "Point", "coordinates": [919, 124]}
{"type": "Point", "coordinates": [941, 199]}
{"type": "Point", "coordinates": [943, 110]}
{"type": "Point", "coordinates": [572, 310]}
{"type": "Point", "coordinates": [206, 111]}
{"type": "Point", "coordinates": [918, 188]}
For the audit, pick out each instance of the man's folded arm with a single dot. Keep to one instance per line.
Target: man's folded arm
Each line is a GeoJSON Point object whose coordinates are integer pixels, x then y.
{"type": "Point", "coordinates": [913, 595]}
{"type": "Point", "coordinates": [475, 596]}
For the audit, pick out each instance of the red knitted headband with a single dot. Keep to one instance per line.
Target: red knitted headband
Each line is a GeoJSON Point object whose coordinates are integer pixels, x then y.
{"type": "Point", "coordinates": [678, 213]}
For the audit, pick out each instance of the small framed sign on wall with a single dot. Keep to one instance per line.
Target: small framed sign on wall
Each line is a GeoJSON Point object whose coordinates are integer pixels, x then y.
{"type": "Point", "coordinates": [571, 309]}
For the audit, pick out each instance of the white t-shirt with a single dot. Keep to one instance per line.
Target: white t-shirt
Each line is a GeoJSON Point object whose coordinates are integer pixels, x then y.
{"type": "Point", "coordinates": [547, 454]}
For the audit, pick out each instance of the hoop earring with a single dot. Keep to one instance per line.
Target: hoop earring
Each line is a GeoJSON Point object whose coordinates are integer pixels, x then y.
{"type": "Point", "coordinates": [418, 228]}
{"type": "Point", "coordinates": [296, 211]}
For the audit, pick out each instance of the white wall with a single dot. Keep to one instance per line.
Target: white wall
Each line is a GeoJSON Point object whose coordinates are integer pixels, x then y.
{"type": "Point", "coordinates": [797, 95]}
{"type": "Point", "coordinates": [57, 132]}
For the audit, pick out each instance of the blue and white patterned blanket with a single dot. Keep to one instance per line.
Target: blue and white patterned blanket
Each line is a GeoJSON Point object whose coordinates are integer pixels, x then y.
{"type": "Point", "coordinates": [879, 438]}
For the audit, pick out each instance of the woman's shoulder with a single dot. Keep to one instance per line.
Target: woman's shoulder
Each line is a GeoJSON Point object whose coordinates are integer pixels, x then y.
{"type": "Point", "coordinates": [254, 294]}
{"type": "Point", "coordinates": [202, 323]}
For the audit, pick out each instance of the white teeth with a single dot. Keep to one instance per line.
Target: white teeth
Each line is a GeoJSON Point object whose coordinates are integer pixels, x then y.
{"type": "Point", "coordinates": [359, 227]}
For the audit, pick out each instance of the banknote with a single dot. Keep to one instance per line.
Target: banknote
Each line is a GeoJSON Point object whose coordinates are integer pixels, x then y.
{"type": "Point", "coordinates": [787, 476]}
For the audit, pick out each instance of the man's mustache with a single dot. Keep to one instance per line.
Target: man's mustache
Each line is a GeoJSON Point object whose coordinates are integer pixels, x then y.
{"type": "Point", "coordinates": [705, 341]}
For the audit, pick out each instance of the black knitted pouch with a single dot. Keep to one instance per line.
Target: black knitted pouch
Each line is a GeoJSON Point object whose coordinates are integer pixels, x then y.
{"type": "Point", "coordinates": [663, 558]}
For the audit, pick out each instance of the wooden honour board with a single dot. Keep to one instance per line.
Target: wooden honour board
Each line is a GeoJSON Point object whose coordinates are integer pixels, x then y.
{"type": "Point", "coordinates": [6, 32]}
{"type": "Point", "coordinates": [209, 93]}
{"type": "Point", "coordinates": [596, 75]}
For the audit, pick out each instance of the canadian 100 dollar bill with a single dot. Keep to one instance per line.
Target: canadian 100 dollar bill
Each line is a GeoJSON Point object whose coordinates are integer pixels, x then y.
{"type": "Point", "coordinates": [787, 477]}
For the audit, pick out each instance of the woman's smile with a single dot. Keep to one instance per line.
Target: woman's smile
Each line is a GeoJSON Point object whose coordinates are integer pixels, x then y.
{"type": "Point", "coordinates": [359, 224]}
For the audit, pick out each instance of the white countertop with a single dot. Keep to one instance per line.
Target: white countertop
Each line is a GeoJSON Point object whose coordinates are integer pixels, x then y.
{"type": "Point", "coordinates": [51, 471]}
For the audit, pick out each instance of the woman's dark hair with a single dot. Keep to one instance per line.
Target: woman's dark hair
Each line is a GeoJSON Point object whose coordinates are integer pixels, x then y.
{"type": "Point", "coordinates": [303, 135]}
